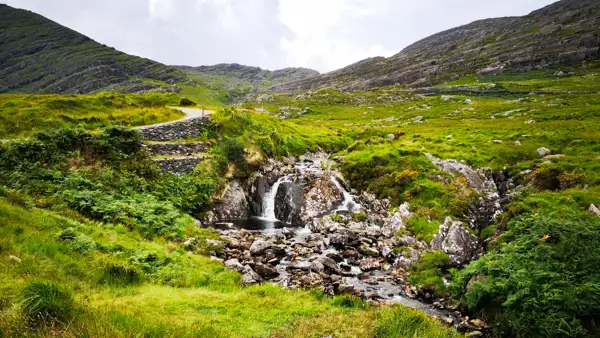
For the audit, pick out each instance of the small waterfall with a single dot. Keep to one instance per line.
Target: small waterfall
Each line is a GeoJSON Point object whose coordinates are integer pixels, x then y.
{"type": "Point", "coordinates": [348, 202]}
{"type": "Point", "coordinates": [268, 213]}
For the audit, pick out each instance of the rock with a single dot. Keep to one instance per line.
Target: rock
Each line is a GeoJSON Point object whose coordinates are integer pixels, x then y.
{"type": "Point", "coordinates": [234, 203]}
{"type": "Point", "coordinates": [321, 196]}
{"type": "Point", "coordinates": [250, 276]}
{"type": "Point", "coordinates": [517, 143]}
{"type": "Point", "coordinates": [234, 264]}
{"type": "Point", "coordinates": [543, 151]}
{"type": "Point", "coordinates": [369, 264]}
{"type": "Point", "coordinates": [335, 256]}
{"type": "Point", "coordinates": [456, 241]}
{"type": "Point", "coordinates": [594, 210]}
{"type": "Point", "coordinates": [259, 246]}
{"type": "Point", "coordinates": [190, 243]}
{"type": "Point", "coordinates": [14, 258]}
{"type": "Point", "coordinates": [468, 101]}
{"type": "Point", "coordinates": [498, 141]}
{"type": "Point", "coordinates": [478, 323]}
{"type": "Point", "coordinates": [265, 271]}
{"type": "Point", "coordinates": [299, 265]}
{"type": "Point", "coordinates": [474, 334]}
{"type": "Point", "coordinates": [368, 251]}
{"type": "Point", "coordinates": [391, 137]}
{"type": "Point", "coordinates": [330, 264]}
{"type": "Point", "coordinates": [551, 157]}
{"type": "Point", "coordinates": [317, 266]}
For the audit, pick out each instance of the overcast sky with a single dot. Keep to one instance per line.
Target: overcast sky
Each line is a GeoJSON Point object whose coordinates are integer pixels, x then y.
{"type": "Point", "coordinates": [319, 34]}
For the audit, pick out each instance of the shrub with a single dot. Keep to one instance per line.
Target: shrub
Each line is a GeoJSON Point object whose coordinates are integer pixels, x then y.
{"type": "Point", "coordinates": [399, 321]}
{"type": "Point", "coordinates": [267, 146]}
{"type": "Point", "coordinates": [569, 180]}
{"type": "Point", "coordinates": [185, 102]}
{"type": "Point", "coordinates": [544, 281]}
{"type": "Point", "coordinates": [359, 217]}
{"type": "Point", "coordinates": [45, 302]}
{"type": "Point", "coordinates": [120, 275]}
{"type": "Point", "coordinates": [427, 272]}
{"type": "Point", "coordinates": [423, 228]}
{"type": "Point", "coordinates": [546, 178]}
{"type": "Point", "coordinates": [234, 151]}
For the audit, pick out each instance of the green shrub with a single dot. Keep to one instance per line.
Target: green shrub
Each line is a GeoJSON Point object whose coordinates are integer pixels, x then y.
{"type": "Point", "coordinates": [487, 232]}
{"type": "Point", "coordinates": [185, 102]}
{"type": "Point", "coordinates": [45, 302]}
{"type": "Point", "coordinates": [234, 151]}
{"type": "Point", "coordinates": [427, 272]}
{"type": "Point", "coordinates": [189, 193]}
{"type": "Point", "coordinates": [267, 146]}
{"type": "Point", "coordinates": [423, 228]}
{"type": "Point", "coordinates": [544, 281]}
{"type": "Point", "coordinates": [120, 275]}
{"type": "Point", "coordinates": [400, 321]}
{"type": "Point", "coordinates": [359, 217]}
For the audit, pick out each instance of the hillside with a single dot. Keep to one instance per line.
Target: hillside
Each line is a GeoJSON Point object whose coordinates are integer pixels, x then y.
{"type": "Point", "coordinates": [38, 55]}
{"type": "Point", "coordinates": [563, 33]}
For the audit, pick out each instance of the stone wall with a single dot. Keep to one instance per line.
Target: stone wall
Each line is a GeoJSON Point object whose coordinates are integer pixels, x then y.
{"type": "Point", "coordinates": [176, 148]}
{"type": "Point", "coordinates": [178, 165]}
{"type": "Point", "coordinates": [190, 128]}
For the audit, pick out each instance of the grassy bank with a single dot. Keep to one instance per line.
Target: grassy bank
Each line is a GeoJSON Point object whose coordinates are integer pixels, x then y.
{"type": "Point", "coordinates": [21, 115]}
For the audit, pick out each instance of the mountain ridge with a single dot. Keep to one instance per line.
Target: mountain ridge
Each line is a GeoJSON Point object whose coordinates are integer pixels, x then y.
{"type": "Point", "coordinates": [561, 33]}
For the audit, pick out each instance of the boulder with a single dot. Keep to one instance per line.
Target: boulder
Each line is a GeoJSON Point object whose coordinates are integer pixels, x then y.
{"type": "Point", "coordinates": [543, 151]}
{"type": "Point", "coordinates": [250, 276]}
{"type": "Point", "coordinates": [234, 203]}
{"type": "Point", "coordinates": [456, 241]}
{"type": "Point", "coordinates": [265, 271]}
{"type": "Point", "coordinates": [369, 264]}
{"type": "Point", "coordinates": [259, 246]}
{"type": "Point", "coordinates": [234, 264]}
{"type": "Point", "coordinates": [594, 210]}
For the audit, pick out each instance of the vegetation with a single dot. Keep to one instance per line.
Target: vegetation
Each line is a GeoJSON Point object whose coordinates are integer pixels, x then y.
{"type": "Point", "coordinates": [21, 115]}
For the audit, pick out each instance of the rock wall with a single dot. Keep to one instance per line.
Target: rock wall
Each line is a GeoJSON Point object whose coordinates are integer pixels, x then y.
{"type": "Point", "coordinates": [176, 148]}
{"type": "Point", "coordinates": [178, 165]}
{"type": "Point", "coordinates": [190, 128]}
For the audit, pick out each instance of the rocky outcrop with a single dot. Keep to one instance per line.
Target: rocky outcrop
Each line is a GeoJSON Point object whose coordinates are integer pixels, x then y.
{"type": "Point", "coordinates": [233, 203]}
{"type": "Point", "coordinates": [456, 241]}
{"type": "Point", "coordinates": [190, 128]}
{"type": "Point", "coordinates": [321, 197]}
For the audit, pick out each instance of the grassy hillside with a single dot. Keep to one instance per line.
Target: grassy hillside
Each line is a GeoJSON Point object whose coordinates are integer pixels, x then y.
{"type": "Point", "coordinates": [38, 55]}
{"type": "Point", "coordinates": [560, 34]}
{"type": "Point", "coordinates": [95, 245]}
{"type": "Point", "coordinates": [21, 115]}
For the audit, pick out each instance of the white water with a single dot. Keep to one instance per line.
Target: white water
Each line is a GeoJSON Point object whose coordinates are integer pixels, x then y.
{"type": "Point", "coordinates": [348, 202]}
{"type": "Point", "coordinates": [268, 213]}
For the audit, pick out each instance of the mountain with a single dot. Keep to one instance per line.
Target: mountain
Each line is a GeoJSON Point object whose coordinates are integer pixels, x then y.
{"type": "Point", "coordinates": [236, 75]}
{"type": "Point", "coordinates": [38, 55]}
{"type": "Point", "coordinates": [565, 32]}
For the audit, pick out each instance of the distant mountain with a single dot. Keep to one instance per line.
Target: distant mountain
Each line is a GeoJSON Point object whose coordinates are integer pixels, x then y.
{"type": "Point", "coordinates": [236, 75]}
{"type": "Point", "coordinates": [565, 32]}
{"type": "Point", "coordinates": [38, 55]}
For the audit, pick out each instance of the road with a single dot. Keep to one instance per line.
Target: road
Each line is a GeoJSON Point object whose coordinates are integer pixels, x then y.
{"type": "Point", "coordinates": [190, 113]}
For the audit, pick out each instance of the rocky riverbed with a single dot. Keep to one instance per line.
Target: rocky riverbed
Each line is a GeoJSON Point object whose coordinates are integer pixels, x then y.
{"type": "Point", "coordinates": [317, 233]}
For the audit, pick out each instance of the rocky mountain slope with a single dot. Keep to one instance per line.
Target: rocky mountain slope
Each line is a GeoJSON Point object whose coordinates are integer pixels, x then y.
{"type": "Point", "coordinates": [38, 55]}
{"type": "Point", "coordinates": [239, 75]}
{"type": "Point", "coordinates": [565, 32]}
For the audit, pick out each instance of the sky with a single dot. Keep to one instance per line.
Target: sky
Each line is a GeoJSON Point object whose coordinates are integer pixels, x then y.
{"type": "Point", "coordinates": [320, 34]}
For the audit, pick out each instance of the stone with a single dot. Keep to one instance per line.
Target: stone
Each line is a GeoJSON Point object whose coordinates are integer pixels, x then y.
{"type": "Point", "coordinates": [234, 264]}
{"type": "Point", "coordinates": [468, 101]}
{"type": "Point", "coordinates": [594, 210]}
{"type": "Point", "coordinates": [299, 265]}
{"type": "Point", "coordinates": [265, 271]}
{"type": "Point", "coordinates": [369, 264]}
{"type": "Point", "coordinates": [517, 143]}
{"type": "Point", "coordinates": [233, 204]}
{"type": "Point", "coordinates": [190, 243]}
{"type": "Point", "coordinates": [317, 266]}
{"type": "Point", "coordinates": [250, 276]}
{"type": "Point", "coordinates": [14, 258]}
{"type": "Point", "coordinates": [474, 334]}
{"type": "Point", "coordinates": [498, 141]}
{"type": "Point", "coordinates": [543, 151]}
{"type": "Point", "coordinates": [259, 246]}
{"type": "Point", "coordinates": [330, 264]}
{"type": "Point", "coordinates": [391, 137]}
{"type": "Point", "coordinates": [185, 129]}
{"type": "Point", "coordinates": [456, 241]}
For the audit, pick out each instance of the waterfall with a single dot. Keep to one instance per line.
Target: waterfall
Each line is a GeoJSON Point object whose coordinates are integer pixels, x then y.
{"type": "Point", "coordinates": [268, 212]}
{"type": "Point", "coordinates": [348, 201]}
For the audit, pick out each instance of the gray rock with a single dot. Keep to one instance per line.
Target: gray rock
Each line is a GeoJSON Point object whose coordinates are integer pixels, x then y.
{"type": "Point", "coordinates": [594, 210]}
{"type": "Point", "coordinates": [391, 137]}
{"type": "Point", "coordinates": [369, 264]}
{"type": "Point", "coordinates": [259, 246]}
{"type": "Point", "coordinates": [234, 264]}
{"type": "Point", "coordinates": [234, 203]}
{"type": "Point", "coordinates": [250, 276]}
{"type": "Point", "coordinates": [543, 151]}
{"type": "Point", "coordinates": [265, 271]}
{"type": "Point", "coordinates": [517, 143]}
{"type": "Point", "coordinates": [456, 241]}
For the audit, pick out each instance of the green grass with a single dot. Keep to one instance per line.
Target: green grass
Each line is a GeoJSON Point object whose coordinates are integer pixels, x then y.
{"type": "Point", "coordinates": [21, 115]}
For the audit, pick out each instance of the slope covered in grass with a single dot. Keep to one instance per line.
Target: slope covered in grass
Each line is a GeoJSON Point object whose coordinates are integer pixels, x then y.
{"type": "Point", "coordinates": [21, 115]}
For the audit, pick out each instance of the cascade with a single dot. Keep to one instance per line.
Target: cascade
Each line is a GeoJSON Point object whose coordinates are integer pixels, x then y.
{"type": "Point", "coordinates": [268, 213]}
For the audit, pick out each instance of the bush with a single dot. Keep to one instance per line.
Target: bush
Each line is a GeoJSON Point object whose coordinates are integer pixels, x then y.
{"type": "Point", "coordinates": [120, 275]}
{"type": "Point", "coordinates": [234, 151]}
{"type": "Point", "coordinates": [543, 282]}
{"type": "Point", "coordinates": [423, 228]}
{"type": "Point", "coordinates": [189, 193]}
{"type": "Point", "coordinates": [427, 272]}
{"type": "Point", "coordinates": [45, 302]}
{"type": "Point", "coordinates": [185, 102]}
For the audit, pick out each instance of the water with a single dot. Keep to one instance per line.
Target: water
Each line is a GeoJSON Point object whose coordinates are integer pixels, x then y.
{"type": "Point", "coordinates": [348, 203]}
{"type": "Point", "coordinates": [269, 207]}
